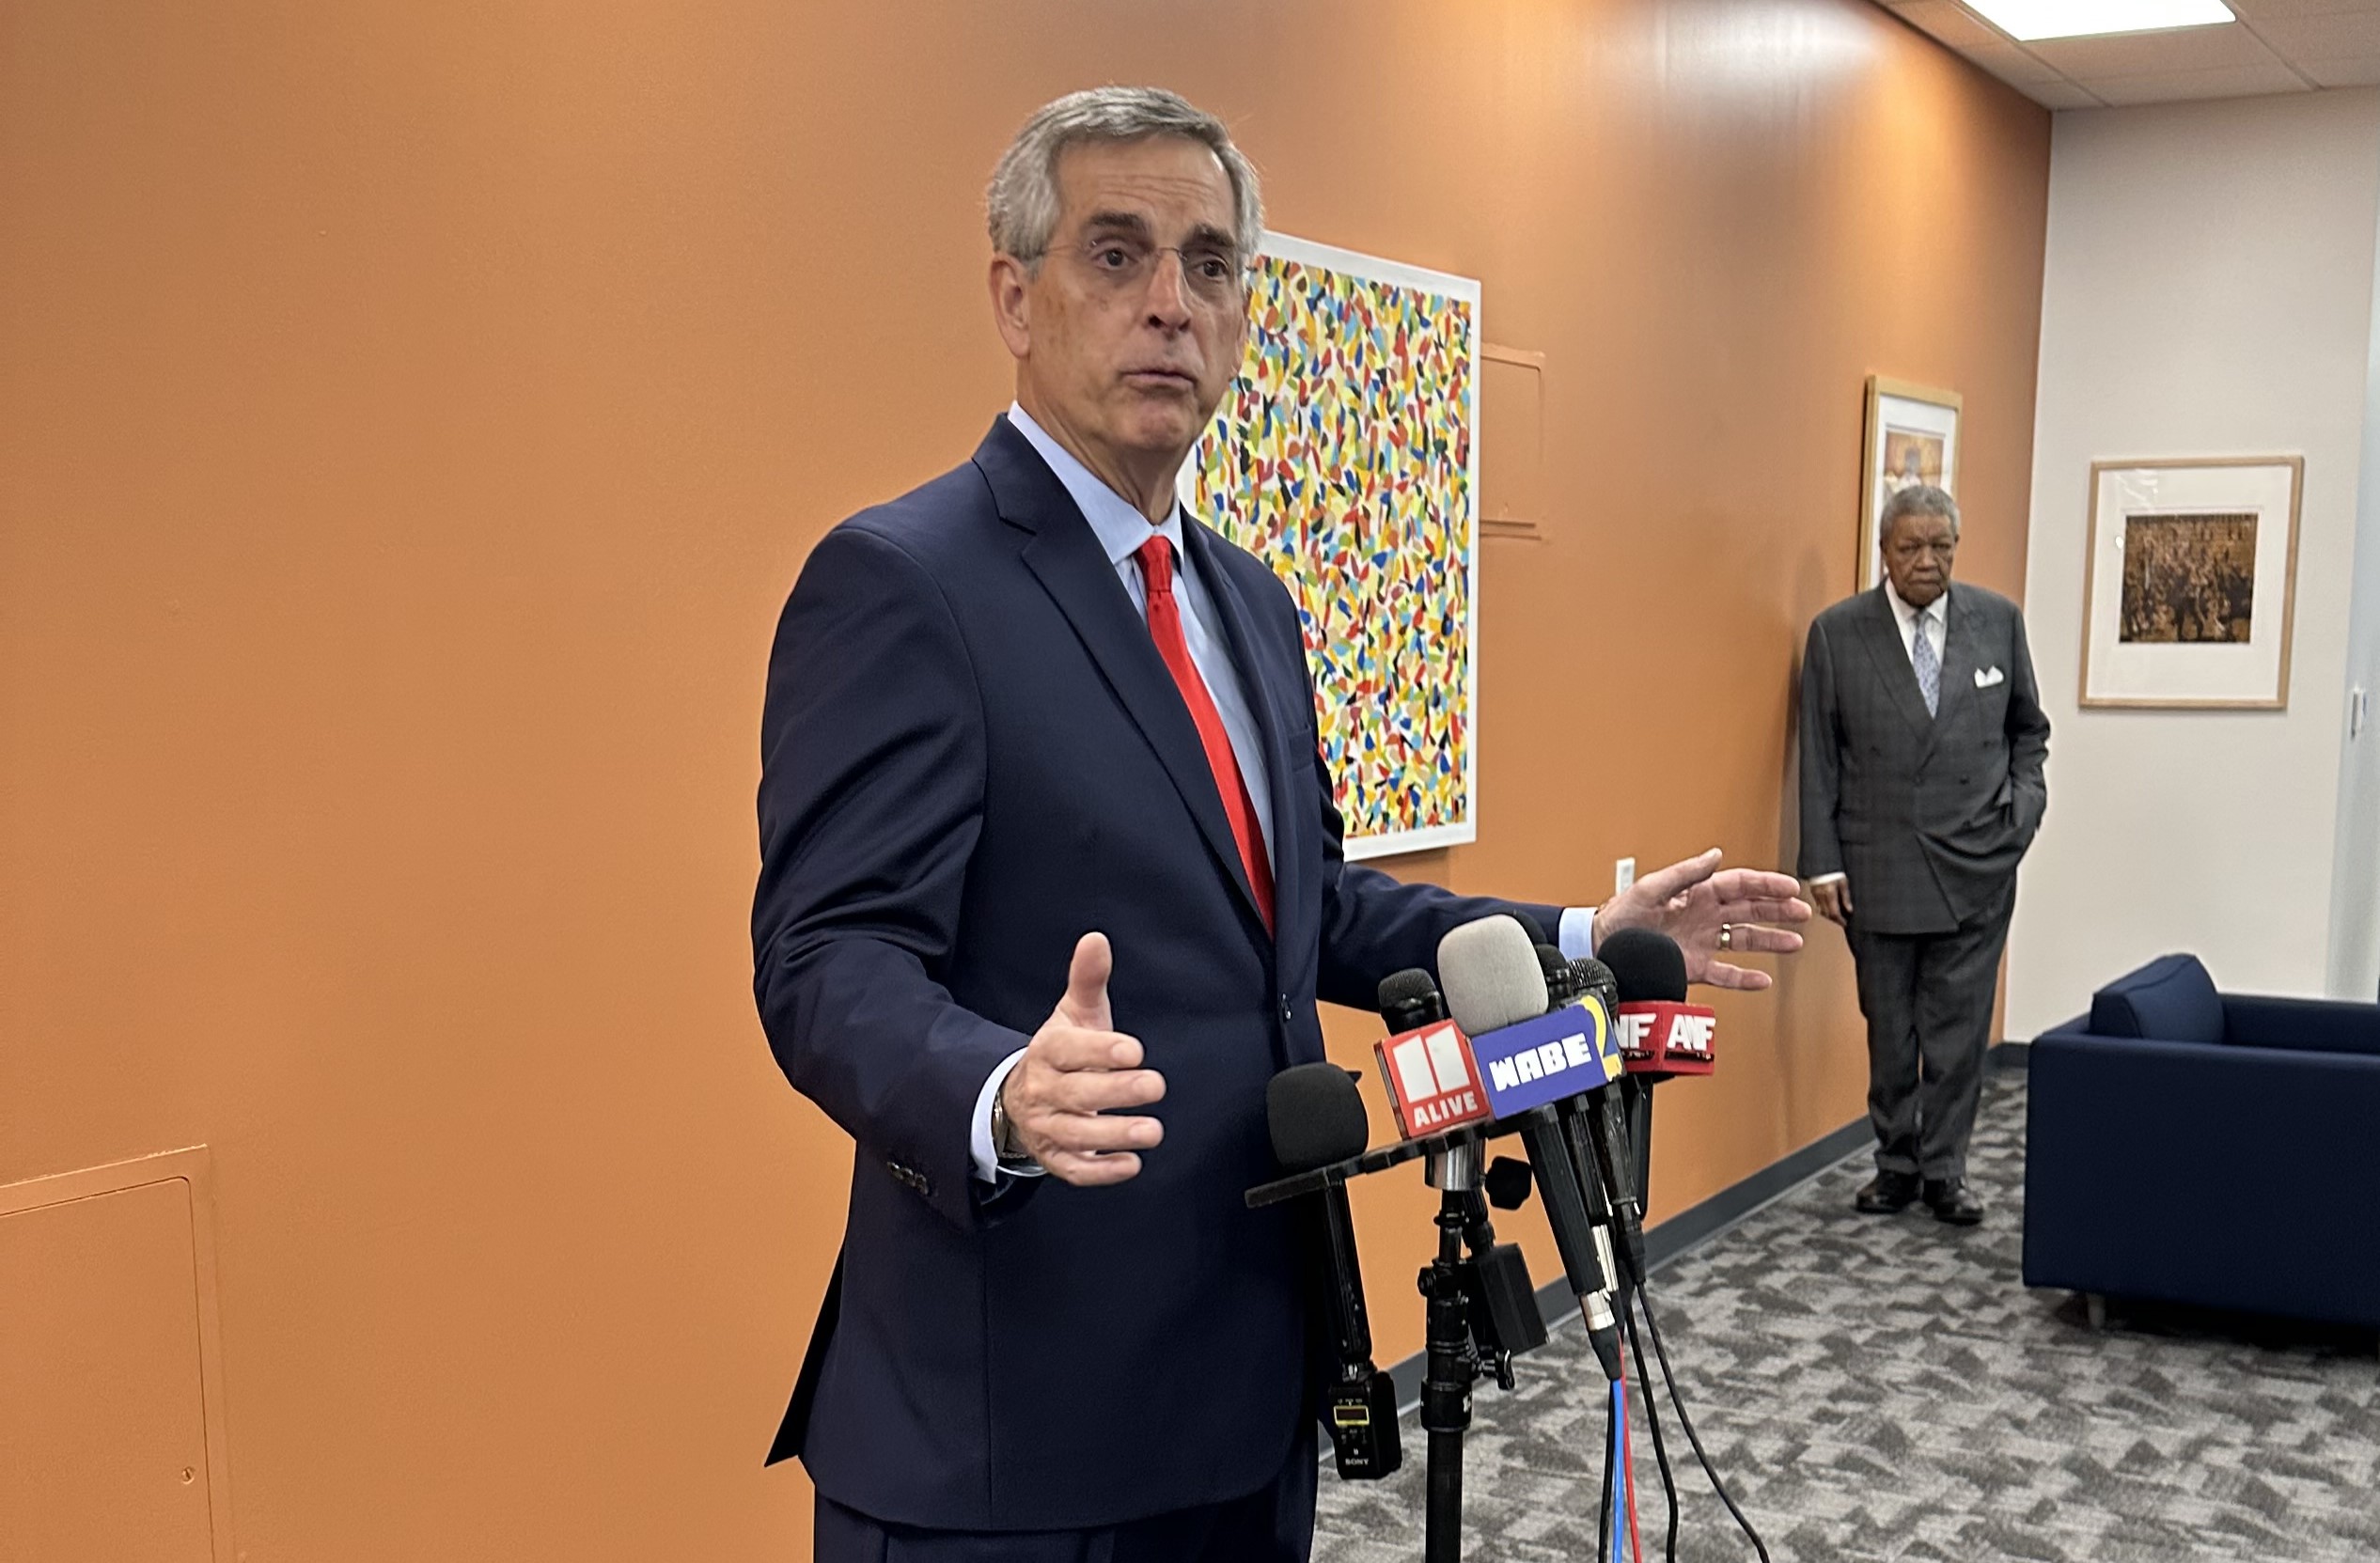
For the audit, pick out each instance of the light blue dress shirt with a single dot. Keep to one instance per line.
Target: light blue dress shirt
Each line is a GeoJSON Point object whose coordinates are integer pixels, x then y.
{"type": "Point", "coordinates": [1121, 529]}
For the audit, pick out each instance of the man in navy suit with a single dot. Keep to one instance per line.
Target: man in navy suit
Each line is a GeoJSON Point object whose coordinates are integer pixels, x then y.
{"type": "Point", "coordinates": [1050, 886]}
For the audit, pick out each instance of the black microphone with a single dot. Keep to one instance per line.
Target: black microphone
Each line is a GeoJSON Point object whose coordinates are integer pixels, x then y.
{"type": "Point", "coordinates": [1494, 977]}
{"type": "Point", "coordinates": [1410, 1000]}
{"type": "Point", "coordinates": [1316, 1116]}
{"type": "Point", "coordinates": [1648, 966]}
{"type": "Point", "coordinates": [1645, 968]}
{"type": "Point", "coordinates": [1599, 1123]}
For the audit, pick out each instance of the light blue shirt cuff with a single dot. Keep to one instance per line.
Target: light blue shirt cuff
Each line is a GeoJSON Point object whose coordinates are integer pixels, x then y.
{"type": "Point", "coordinates": [1577, 935]}
{"type": "Point", "coordinates": [987, 1159]}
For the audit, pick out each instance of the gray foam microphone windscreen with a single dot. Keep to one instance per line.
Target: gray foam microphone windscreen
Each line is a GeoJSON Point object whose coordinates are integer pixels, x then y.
{"type": "Point", "coordinates": [1489, 972]}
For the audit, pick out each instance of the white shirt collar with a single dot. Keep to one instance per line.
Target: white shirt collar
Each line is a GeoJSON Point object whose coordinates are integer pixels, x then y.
{"type": "Point", "coordinates": [1120, 528]}
{"type": "Point", "coordinates": [1939, 610]}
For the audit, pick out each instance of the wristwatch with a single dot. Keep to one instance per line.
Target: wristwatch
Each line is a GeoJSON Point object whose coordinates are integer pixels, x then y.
{"type": "Point", "coordinates": [1008, 1148]}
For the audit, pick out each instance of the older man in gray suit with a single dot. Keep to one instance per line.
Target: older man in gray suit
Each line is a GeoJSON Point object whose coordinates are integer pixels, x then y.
{"type": "Point", "coordinates": [1922, 741]}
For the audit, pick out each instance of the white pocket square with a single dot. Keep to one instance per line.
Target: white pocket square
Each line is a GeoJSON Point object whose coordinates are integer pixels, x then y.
{"type": "Point", "coordinates": [1986, 677]}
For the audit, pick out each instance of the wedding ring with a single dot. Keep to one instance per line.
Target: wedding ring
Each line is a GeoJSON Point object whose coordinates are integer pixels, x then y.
{"type": "Point", "coordinates": [1727, 936]}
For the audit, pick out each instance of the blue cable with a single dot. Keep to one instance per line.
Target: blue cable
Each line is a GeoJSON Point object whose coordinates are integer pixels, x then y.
{"type": "Point", "coordinates": [1619, 1494]}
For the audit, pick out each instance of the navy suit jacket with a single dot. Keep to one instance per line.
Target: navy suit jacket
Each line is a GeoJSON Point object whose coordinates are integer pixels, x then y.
{"type": "Point", "coordinates": [972, 755]}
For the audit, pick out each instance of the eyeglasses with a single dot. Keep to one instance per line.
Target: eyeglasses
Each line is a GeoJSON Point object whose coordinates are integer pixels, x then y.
{"type": "Point", "coordinates": [1213, 273]}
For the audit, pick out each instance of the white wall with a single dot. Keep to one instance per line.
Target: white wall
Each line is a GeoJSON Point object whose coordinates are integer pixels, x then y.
{"type": "Point", "coordinates": [2355, 882]}
{"type": "Point", "coordinates": [2208, 291]}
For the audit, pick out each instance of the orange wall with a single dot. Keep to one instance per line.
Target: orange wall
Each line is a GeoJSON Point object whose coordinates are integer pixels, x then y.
{"type": "Point", "coordinates": [411, 418]}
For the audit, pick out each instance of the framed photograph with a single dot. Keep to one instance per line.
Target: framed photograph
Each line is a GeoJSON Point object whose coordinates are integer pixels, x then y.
{"type": "Point", "coordinates": [1913, 437]}
{"type": "Point", "coordinates": [2190, 585]}
{"type": "Point", "coordinates": [1346, 455]}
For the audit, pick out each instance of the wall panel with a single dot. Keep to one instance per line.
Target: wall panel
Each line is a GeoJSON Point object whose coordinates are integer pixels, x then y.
{"type": "Point", "coordinates": [410, 420]}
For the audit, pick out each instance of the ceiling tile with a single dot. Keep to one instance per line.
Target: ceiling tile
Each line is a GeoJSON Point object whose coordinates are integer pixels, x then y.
{"type": "Point", "coordinates": [2161, 87]}
{"type": "Point", "coordinates": [2011, 63]}
{"type": "Point", "coordinates": [1953, 23]}
{"type": "Point", "coordinates": [2260, 11]}
{"type": "Point", "coordinates": [2139, 54]}
{"type": "Point", "coordinates": [2061, 94]}
{"type": "Point", "coordinates": [2307, 38]}
{"type": "Point", "coordinates": [2343, 73]}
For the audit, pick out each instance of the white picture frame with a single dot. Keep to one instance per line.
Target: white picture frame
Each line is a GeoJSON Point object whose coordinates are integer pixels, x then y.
{"type": "Point", "coordinates": [2190, 587]}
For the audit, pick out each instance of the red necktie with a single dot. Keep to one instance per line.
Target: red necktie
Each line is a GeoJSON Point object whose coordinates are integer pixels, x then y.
{"type": "Point", "coordinates": [1165, 628]}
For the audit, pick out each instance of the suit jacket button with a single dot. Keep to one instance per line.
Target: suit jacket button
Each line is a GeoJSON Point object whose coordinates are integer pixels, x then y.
{"type": "Point", "coordinates": [1288, 1015]}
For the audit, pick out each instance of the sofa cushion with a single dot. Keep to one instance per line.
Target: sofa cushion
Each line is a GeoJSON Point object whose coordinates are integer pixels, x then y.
{"type": "Point", "coordinates": [2171, 999]}
{"type": "Point", "coordinates": [2301, 1024]}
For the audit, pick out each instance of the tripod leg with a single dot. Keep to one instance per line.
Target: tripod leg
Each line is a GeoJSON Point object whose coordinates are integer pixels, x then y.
{"type": "Point", "coordinates": [1444, 1542]}
{"type": "Point", "coordinates": [1446, 1385]}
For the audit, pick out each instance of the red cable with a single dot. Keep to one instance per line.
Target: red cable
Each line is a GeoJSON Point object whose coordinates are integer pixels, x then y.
{"type": "Point", "coordinates": [1628, 1463]}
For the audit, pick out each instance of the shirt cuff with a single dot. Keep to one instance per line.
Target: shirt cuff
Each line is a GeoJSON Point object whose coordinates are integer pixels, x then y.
{"type": "Point", "coordinates": [1827, 879]}
{"type": "Point", "coordinates": [979, 1148]}
{"type": "Point", "coordinates": [1577, 934]}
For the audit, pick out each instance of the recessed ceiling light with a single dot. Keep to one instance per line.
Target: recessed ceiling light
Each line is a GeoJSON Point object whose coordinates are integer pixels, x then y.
{"type": "Point", "coordinates": [2027, 21]}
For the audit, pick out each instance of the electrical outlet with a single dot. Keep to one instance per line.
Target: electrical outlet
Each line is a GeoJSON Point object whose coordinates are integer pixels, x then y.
{"type": "Point", "coordinates": [1623, 874]}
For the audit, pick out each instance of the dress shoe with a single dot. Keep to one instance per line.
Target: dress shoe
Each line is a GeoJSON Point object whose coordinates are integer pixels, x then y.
{"type": "Point", "coordinates": [1952, 1200]}
{"type": "Point", "coordinates": [1888, 1194]}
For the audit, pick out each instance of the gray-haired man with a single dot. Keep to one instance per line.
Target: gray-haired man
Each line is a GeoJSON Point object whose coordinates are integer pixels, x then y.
{"type": "Point", "coordinates": [1051, 883]}
{"type": "Point", "coordinates": [1922, 741]}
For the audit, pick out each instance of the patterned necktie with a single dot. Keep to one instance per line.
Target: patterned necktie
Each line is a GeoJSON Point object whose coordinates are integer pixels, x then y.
{"type": "Point", "coordinates": [1165, 628]}
{"type": "Point", "coordinates": [1928, 661]}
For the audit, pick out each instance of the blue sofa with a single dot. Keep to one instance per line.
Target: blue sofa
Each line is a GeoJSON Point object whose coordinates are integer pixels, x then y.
{"type": "Point", "coordinates": [2186, 1145]}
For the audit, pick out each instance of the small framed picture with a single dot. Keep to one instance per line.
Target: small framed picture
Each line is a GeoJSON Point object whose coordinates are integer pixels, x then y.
{"type": "Point", "coordinates": [1913, 437]}
{"type": "Point", "coordinates": [2190, 585]}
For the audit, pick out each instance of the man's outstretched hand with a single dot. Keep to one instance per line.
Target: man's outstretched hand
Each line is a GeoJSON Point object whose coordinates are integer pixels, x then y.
{"type": "Point", "coordinates": [1691, 901]}
{"type": "Point", "coordinates": [1078, 1067]}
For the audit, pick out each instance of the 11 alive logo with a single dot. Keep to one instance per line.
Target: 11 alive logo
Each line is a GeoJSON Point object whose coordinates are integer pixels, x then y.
{"type": "Point", "coordinates": [1430, 1081]}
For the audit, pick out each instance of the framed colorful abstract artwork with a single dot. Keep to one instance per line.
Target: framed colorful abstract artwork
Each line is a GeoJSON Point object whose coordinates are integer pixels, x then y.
{"type": "Point", "coordinates": [1346, 455]}
{"type": "Point", "coordinates": [2190, 587]}
{"type": "Point", "coordinates": [1912, 438]}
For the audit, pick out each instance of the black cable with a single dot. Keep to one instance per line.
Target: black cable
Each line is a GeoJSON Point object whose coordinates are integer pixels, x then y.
{"type": "Point", "coordinates": [1602, 1510]}
{"type": "Point", "coordinates": [1651, 1403]}
{"type": "Point", "coordinates": [1661, 1351]}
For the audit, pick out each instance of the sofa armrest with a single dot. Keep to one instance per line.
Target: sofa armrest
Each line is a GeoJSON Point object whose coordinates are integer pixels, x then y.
{"type": "Point", "coordinates": [2301, 1024]}
{"type": "Point", "coordinates": [2200, 1173]}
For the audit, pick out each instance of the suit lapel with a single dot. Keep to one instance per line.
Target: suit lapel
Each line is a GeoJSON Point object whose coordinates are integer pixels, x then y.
{"type": "Point", "coordinates": [1883, 641]}
{"type": "Point", "coordinates": [1284, 773]}
{"type": "Point", "coordinates": [1066, 557]}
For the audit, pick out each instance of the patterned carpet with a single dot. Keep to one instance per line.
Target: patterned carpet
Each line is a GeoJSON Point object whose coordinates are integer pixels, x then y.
{"type": "Point", "coordinates": [1877, 1388]}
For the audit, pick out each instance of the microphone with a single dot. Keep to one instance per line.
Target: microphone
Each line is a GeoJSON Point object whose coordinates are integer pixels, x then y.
{"type": "Point", "coordinates": [1426, 1063]}
{"type": "Point", "coordinates": [1660, 1033]}
{"type": "Point", "coordinates": [1433, 1086]}
{"type": "Point", "coordinates": [1597, 1124]}
{"type": "Point", "coordinates": [1526, 1057]}
{"type": "Point", "coordinates": [1316, 1116]}
{"type": "Point", "coordinates": [1495, 985]}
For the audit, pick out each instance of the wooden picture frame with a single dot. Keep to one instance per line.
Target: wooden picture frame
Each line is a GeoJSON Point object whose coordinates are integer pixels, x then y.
{"type": "Point", "coordinates": [1905, 423]}
{"type": "Point", "coordinates": [2191, 626]}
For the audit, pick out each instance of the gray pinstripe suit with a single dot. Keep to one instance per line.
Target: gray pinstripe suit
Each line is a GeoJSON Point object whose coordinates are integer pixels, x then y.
{"type": "Point", "coordinates": [1927, 816]}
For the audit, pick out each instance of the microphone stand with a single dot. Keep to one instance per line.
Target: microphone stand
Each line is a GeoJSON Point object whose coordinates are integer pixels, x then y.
{"type": "Point", "coordinates": [1449, 1366]}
